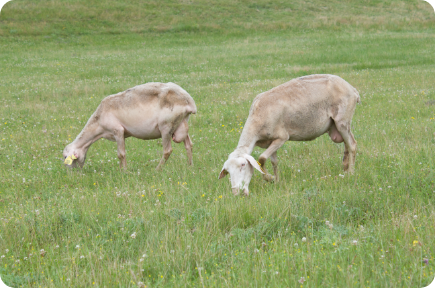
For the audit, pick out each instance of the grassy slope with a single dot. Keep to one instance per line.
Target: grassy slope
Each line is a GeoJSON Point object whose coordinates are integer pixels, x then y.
{"type": "Point", "coordinates": [184, 218]}
{"type": "Point", "coordinates": [114, 17]}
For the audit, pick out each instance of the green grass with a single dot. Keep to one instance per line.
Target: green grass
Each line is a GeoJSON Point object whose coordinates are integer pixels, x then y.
{"type": "Point", "coordinates": [190, 230]}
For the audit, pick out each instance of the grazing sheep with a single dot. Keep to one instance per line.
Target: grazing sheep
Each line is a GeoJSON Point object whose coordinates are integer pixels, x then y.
{"type": "Point", "coordinates": [148, 111]}
{"type": "Point", "coordinates": [299, 110]}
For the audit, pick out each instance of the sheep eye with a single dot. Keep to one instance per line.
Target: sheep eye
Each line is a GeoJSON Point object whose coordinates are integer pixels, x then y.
{"type": "Point", "coordinates": [243, 164]}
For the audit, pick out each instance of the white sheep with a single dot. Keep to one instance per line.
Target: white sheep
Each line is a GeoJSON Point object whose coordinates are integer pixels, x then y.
{"type": "Point", "coordinates": [299, 110]}
{"type": "Point", "coordinates": [148, 111]}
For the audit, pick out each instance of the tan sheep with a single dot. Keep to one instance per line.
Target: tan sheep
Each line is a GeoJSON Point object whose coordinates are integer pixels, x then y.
{"type": "Point", "coordinates": [299, 110]}
{"type": "Point", "coordinates": [148, 111]}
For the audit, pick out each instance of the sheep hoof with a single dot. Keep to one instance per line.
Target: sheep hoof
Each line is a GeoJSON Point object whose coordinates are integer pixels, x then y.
{"type": "Point", "coordinates": [269, 178]}
{"type": "Point", "coordinates": [235, 191]}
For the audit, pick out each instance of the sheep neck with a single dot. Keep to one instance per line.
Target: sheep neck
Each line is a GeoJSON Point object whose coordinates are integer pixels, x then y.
{"type": "Point", "coordinates": [246, 142]}
{"type": "Point", "coordinates": [88, 135]}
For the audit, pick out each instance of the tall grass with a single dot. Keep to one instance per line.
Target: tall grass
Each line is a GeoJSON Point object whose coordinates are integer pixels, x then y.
{"type": "Point", "coordinates": [182, 227]}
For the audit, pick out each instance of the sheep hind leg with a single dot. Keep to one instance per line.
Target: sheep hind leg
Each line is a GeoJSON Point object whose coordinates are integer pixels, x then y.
{"type": "Point", "coordinates": [349, 146]}
{"type": "Point", "coordinates": [167, 149]}
{"type": "Point", "coordinates": [188, 145]}
{"type": "Point", "coordinates": [273, 147]}
{"type": "Point", "coordinates": [181, 134]}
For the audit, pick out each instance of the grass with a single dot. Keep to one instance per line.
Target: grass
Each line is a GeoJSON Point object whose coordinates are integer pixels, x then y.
{"type": "Point", "coordinates": [96, 17]}
{"type": "Point", "coordinates": [181, 227]}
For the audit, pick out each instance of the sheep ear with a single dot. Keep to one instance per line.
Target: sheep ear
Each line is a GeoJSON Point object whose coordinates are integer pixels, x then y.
{"type": "Point", "coordinates": [254, 163]}
{"type": "Point", "coordinates": [223, 173]}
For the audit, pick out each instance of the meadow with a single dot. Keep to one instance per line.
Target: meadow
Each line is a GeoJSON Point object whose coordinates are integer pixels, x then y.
{"type": "Point", "coordinates": [182, 227]}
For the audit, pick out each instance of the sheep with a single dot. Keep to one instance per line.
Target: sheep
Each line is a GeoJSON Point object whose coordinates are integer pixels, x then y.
{"type": "Point", "coordinates": [148, 111]}
{"type": "Point", "coordinates": [299, 110]}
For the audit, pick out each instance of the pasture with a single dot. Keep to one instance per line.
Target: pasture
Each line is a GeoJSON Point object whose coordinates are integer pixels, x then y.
{"type": "Point", "coordinates": [182, 227]}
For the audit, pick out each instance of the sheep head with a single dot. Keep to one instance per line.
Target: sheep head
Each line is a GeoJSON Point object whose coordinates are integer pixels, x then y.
{"type": "Point", "coordinates": [241, 169]}
{"type": "Point", "coordinates": [73, 157]}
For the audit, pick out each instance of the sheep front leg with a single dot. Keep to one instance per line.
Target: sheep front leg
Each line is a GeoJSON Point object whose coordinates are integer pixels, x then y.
{"type": "Point", "coordinates": [270, 151]}
{"type": "Point", "coordinates": [120, 141]}
{"type": "Point", "coordinates": [167, 149]}
{"type": "Point", "coordinates": [274, 160]}
{"type": "Point", "coordinates": [262, 161]}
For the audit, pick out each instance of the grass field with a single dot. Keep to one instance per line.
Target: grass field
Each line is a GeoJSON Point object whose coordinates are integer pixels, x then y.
{"type": "Point", "coordinates": [182, 227]}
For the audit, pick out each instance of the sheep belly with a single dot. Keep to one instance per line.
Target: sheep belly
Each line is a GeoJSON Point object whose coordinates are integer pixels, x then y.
{"type": "Point", "coordinates": [140, 123]}
{"type": "Point", "coordinates": [309, 129]}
